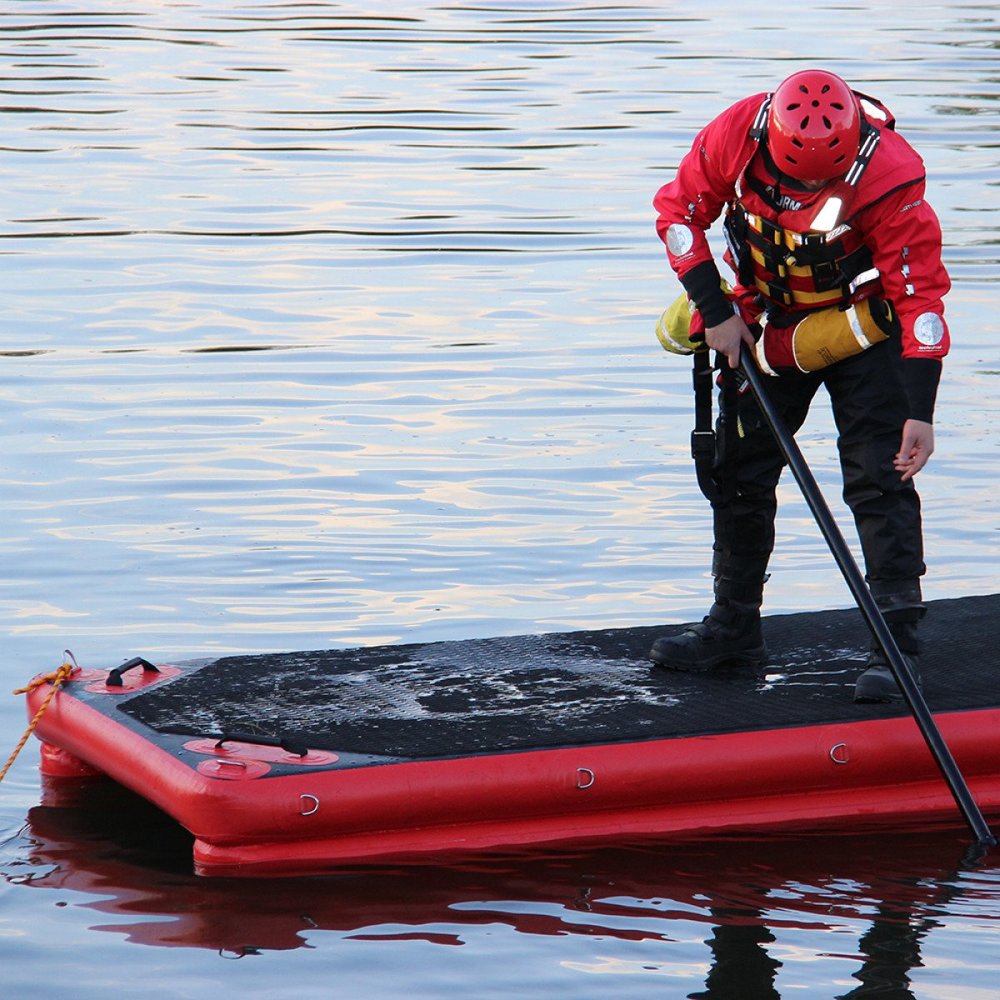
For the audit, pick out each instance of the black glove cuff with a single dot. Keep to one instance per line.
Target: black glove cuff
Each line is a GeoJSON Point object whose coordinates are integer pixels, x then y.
{"type": "Point", "coordinates": [921, 377]}
{"type": "Point", "coordinates": [703, 286]}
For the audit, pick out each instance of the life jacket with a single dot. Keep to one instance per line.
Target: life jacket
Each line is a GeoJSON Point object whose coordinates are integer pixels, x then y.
{"type": "Point", "coordinates": [801, 253]}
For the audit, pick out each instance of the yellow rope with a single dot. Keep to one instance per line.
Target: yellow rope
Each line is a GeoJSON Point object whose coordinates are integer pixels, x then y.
{"type": "Point", "coordinates": [56, 679]}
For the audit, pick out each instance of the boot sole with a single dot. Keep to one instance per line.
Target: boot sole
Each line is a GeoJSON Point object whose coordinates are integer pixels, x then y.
{"type": "Point", "coordinates": [884, 699]}
{"type": "Point", "coordinates": [880, 690]}
{"type": "Point", "coordinates": [756, 657]}
{"type": "Point", "coordinates": [863, 697]}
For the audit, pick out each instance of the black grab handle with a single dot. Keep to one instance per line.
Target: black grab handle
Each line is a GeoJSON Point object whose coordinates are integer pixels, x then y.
{"type": "Point", "coordinates": [282, 742]}
{"type": "Point", "coordinates": [115, 676]}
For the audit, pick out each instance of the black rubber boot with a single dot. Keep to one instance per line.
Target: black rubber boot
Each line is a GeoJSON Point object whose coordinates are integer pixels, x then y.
{"type": "Point", "coordinates": [902, 609]}
{"type": "Point", "coordinates": [729, 635]}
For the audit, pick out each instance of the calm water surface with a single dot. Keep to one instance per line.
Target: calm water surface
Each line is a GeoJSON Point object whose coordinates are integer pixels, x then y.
{"type": "Point", "coordinates": [331, 324]}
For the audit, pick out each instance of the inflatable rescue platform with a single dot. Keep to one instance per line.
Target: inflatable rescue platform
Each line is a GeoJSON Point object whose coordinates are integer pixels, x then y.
{"type": "Point", "coordinates": [308, 762]}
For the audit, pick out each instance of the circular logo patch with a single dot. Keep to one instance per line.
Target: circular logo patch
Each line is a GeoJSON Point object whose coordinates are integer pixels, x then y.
{"type": "Point", "coordinates": [929, 329]}
{"type": "Point", "coordinates": [680, 239]}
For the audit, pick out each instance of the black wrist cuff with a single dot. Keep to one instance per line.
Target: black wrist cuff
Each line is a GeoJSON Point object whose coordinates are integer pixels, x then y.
{"type": "Point", "coordinates": [921, 377]}
{"type": "Point", "coordinates": [703, 286]}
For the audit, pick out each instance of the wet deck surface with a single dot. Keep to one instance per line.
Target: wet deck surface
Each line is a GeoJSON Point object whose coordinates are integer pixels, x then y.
{"type": "Point", "coordinates": [480, 696]}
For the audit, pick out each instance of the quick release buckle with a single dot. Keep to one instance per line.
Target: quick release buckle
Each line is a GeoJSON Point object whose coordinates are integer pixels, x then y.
{"type": "Point", "coordinates": [702, 444]}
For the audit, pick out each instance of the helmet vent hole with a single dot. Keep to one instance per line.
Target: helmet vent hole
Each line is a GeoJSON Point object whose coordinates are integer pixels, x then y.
{"type": "Point", "coordinates": [804, 124]}
{"type": "Point", "coordinates": [797, 142]}
{"type": "Point", "coordinates": [827, 122]}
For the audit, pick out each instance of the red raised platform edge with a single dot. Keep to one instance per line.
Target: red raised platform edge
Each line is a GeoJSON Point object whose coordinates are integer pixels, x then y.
{"type": "Point", "coordinates": [843, 813]}
{"type": "Point", "coordinates": [847, 774]}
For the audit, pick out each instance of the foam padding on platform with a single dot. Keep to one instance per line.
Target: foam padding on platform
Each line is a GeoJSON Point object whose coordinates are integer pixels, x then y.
{"type": "Point", "coordinates": [481, 696]}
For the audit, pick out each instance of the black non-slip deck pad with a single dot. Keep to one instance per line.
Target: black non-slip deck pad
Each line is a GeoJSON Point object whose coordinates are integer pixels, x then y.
{"type": "Point", "coordinates": [469, 697]}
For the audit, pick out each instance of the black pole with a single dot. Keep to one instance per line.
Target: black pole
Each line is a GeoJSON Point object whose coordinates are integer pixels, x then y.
{"type": "Point", "coordinates": [873, 615]}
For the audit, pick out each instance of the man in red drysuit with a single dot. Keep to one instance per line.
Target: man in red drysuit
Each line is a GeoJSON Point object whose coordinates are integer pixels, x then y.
{"type": "Point", "coordinates": [825, 220]}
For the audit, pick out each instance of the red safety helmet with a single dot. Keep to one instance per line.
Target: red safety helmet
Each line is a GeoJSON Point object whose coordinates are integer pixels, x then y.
{"type": "Point", "coordinates": [814, 126]}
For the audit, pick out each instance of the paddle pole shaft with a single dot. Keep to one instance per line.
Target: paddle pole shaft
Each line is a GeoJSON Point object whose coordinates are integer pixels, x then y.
{"type": "Point", "coordinates": [871, 611]}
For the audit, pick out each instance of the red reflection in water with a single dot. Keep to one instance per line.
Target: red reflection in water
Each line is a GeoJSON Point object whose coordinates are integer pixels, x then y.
{"type": "Point", "coordinates": [135, 863]}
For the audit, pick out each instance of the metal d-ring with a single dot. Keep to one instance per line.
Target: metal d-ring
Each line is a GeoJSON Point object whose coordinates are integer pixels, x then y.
{"type": "Point", "coordinates": [305, 799]}
{"type": "Point", "coordinates": [585, 777]}
{"type": "Point", "coordinates": [839, 754]}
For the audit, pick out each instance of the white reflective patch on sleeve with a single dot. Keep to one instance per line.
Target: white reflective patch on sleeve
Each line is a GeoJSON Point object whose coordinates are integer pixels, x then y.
{"type": "Point", "coordinates": [929, 329]}
{"type": "Point", "coordinates": [680, 239]}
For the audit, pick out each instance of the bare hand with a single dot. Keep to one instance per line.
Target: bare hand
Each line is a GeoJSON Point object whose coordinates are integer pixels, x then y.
{"type": "Point", "coordinates": [727, 337]}
{"type": "Point", "coordinates": [916, 447]}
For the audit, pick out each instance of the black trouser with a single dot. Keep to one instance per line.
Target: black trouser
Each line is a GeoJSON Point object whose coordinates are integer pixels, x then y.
{"type": "Point", "coordinates": [869, 408]}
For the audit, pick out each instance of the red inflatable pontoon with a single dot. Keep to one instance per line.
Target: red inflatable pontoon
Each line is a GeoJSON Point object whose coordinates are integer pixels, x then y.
{"type": "Point", "coordinates": [306, 762]}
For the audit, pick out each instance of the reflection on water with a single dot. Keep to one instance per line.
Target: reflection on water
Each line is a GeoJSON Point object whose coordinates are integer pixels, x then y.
{"type": "Point", "coordinates": [746, 922]}
{"type": "Point", "coordinates": [331, 323]}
